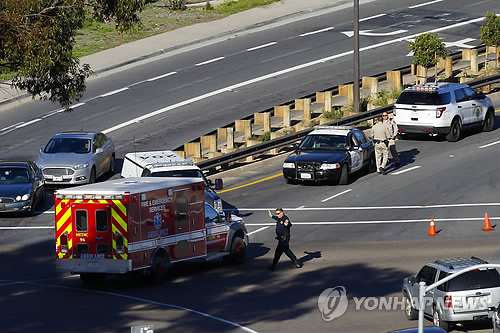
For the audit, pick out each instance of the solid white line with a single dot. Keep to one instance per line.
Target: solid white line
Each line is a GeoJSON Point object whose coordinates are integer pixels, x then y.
{"type": "Point", "coordinates": [490, 144]}
{"type": "Point", "coordinates": [278, 73]}
{"type": "Point", "coordinates": [29, 123]}
{"type": "Point", "coordinates": [256, 231]}
{"type": "Point", "coordinates": [317, 31]}
{"type": "Point", "coordinates": [114, 92]}
{"type": "Point", "coordinates": [161, 76]}
{"type": "Point", "coordinates": [209, 61]}
{"type": "Point", "coordinates": [372, 17]}
{"type": "Point", "coordinates": [486, 204]}
{"type": "Point", "coordinates": [261, 46]}
{"type": "Point", "coordinates": [425, 4]}
{"type": "Point", "coordinates": [336, 195]}
{"type": "Point", "coordinates": [405, 170]}
{"type": "Point", "coordinates": [458, 219]}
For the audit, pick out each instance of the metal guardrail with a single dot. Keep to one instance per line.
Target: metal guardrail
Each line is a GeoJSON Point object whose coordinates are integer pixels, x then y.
{"type": "Point", "coordinates": [291, 138]}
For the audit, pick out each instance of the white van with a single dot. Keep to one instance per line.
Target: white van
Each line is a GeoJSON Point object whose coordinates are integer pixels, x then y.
{"type": "Point", "coordinates": [166, 163]}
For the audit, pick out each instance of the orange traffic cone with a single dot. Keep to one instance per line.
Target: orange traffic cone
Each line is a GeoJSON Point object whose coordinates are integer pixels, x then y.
{"type": "Point", "coordinates": [487, 224]}
{"type": "Point", "coordinates": [432, 229]}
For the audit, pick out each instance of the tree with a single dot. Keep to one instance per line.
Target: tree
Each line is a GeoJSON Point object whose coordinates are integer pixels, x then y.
{"type": "Point", "coordinates": [428, 49]}
{"type": "Point", "coordinates": [37, 39]}
{"type": "Point", "coordinates": [490, 34]}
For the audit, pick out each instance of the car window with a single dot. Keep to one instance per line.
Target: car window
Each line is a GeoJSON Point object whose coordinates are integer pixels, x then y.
{"type": "Point", "coordinates": [67, 145]}
{"type": "Point", "coordinates": [460, 95]}
{"type": "Point", "coordinates": [14, 175]}
{"type": "Point", "coordinates": [211, 216]}
{"type": "Point", "coordinates": [178, 173]}
{"type": "Point", "coordinates": [360, 136]}
{"type": "Point", "coordinates": [354, 141]}
{"type": "Point", "coordinates": [427, 274]}
{"type": "Point", "coordinates": [423, 98]}
{"type": "Point", "coordinates": [444, 286]}
{"type": "Point", "coordinates": [102, 139]}
{"type": "Point", "coordinates": [475, 280]}
{"type": "Point", "coordinates": [95, 143]}
{"type": "Point", "coordinates": [470, 93]}
{"type": "Point", "coordinates": [324, 142]}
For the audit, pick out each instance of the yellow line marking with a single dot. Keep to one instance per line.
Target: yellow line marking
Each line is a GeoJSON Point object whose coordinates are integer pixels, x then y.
{"type": "Point", "coordinates": [252, 183]}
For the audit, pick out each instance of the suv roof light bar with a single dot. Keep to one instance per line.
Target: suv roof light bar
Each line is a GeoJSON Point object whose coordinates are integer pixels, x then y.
{"type": "Point", "coordinates": [174, 163]}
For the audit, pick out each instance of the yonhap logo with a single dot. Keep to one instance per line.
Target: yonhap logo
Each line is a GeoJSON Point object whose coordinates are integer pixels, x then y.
{"type": "Point", "coordinates": [332, 303]}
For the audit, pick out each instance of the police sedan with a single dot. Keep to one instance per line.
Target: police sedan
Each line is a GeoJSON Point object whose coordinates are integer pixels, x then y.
{"type": "Point", "coordinates": [330, 154]}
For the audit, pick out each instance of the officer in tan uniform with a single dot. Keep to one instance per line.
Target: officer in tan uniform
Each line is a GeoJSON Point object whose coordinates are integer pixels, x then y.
{"type": "Point", "coordinates": [381, 138]}
{"type": "Point", "coordinates": [392, 127]}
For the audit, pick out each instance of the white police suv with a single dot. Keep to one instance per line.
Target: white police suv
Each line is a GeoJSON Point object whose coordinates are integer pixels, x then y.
{"type": "Point", "coordinates": [443, 108]}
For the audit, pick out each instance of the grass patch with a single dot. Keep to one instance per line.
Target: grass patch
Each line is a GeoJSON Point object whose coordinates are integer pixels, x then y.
{"type": "Point", "coordinates": [233, 7]}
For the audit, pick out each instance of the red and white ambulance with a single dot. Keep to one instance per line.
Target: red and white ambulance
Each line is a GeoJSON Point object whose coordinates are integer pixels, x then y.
{"type": "Point", "coordinates": [147, 223]}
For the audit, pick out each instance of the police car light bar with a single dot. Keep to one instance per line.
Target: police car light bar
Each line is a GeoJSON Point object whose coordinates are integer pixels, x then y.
{"type": "Point", "coordinates": [424, 88]}
{"type": "Point", "coordinates": [333, 127]}
{"type": "Point", "coordinates": [168, 164]}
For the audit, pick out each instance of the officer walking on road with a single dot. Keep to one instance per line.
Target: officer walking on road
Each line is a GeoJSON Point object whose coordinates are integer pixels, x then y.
{"type": "Point", "coordinates": [381, 138]}
{"type": "Point", "coordinates": [283, 226]}
{"type": "Point", "coordinates": [392, 128]}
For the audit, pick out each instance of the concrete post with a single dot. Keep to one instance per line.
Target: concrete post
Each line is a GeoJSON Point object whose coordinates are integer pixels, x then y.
{"type": "Point", "coordinates": [181, 153]}
{"type": "Point", "coordinates": [307, 109]}
{"type": "Point", "coordinates": [448, 67]}
{"type": "Point", "coordinates": [210, 142]}
{"type": "Point", "coordinates": [230, 138]}
{"type": "Point", "coordinates": [473, 61]}
{"type": "Point", "coordinates": [368, 82]}
{"type": "Point", "coordinates": [283, 111]}
{"type": "Point", "coordinates": [267, 121]}
{"type": "Point", "coordinates": [396, 78]}
{"type": "Point", "coordinates": [193, 148]}
{"type": "Point", "coordinates": [328, 101]}
{"type": "Point", "coordinates": [299, 104]}
{"type": "Point", "coordinates": [222, 134]}
{"type": "Point", "coordinates": [244, 126]}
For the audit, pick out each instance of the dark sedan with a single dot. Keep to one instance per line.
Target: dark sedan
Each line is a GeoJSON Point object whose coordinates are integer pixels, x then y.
{"type": "Point", "coordinates": [330, 154]}
{"type": "Point", "coordinates": [21, 187]}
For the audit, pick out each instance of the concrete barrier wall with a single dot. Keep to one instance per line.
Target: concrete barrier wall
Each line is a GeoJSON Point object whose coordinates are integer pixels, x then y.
{"type": "Point", "coordinates": [306, 112]}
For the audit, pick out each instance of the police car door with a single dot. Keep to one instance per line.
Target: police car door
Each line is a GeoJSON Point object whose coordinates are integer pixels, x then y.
{"type": "Point", "coordinates": [355, 152]}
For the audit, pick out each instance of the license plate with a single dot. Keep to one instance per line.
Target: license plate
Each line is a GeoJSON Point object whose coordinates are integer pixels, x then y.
{"type": "Point", "coordinates": [305, 176]}
{"type": "Point", "coordinates": [2, 206]}
{"type": "Point", "coordinates": [482, 317]}
{"type": "Point", "coordinates": [57, 179]}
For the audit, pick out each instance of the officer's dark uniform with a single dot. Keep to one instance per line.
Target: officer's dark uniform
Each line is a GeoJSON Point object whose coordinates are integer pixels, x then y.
{"type": "Point", "coordinates": [283, 237]}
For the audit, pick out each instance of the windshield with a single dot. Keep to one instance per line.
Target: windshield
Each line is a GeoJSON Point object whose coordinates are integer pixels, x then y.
{"type": "Point", "coordinates": [68, 145]}
{"type": "Point", "coordinates": [324, 142]}
{"type": "Point", "coordinates": [14, 175]}
{"type": "Point", "coordinates": [181, 173]}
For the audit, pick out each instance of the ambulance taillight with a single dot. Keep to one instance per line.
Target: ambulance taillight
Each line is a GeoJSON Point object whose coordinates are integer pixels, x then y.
{"type": "Point", "coordinates": [63, 240]}
{"type": "Point", "coordinates": [120, 248]}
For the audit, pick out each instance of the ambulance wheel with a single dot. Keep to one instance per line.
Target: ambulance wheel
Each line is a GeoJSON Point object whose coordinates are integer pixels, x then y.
{"type": "Point", "coordinates": [238, 249]}
{"type": "Point", "coordinates": [160, 267]}
{"type": "Point", "coordinates": [92, 278]}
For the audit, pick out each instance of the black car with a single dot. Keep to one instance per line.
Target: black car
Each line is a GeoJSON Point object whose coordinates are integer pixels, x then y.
{"type": "Point", "coordinates": [330, 154]}
{"type": "Point", "coordinates": [21, 187]}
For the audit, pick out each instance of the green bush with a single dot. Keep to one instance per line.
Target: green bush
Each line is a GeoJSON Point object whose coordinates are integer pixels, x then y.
{"type": "Point", "coordinates": [335, 113]}
{"type": "Point", "coordinates": [208, 6]}
{"type": "Point", "coordinates": [266, 136]}
{"type": "Point", "coordinates": [176, 4]}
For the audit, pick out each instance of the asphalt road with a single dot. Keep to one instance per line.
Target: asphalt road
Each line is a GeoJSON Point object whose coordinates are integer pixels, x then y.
{"type": "Point", "coordinates": [366, 236]}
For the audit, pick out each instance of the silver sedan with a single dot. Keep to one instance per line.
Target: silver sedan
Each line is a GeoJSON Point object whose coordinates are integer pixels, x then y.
{"type": "Point", "coordinates": [76, 157]}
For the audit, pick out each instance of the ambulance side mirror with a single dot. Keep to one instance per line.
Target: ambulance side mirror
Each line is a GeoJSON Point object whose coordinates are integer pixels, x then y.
{"type": "Point", "coordinates": [218, 184]}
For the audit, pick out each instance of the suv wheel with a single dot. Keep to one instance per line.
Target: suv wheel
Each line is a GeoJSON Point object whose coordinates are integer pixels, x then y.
{"type": "Point", "coordinates": [489, 121]}
{"type": "Point", "coordinates": [410, 312]}
{"type": "Point", "coordinates": [436, 320]}
{"type": "Point", "coordinates": [455, 131]}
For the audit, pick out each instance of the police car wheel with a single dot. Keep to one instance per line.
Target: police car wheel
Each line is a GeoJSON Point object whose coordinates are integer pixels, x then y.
{"type": "Point", "coordinates": [455, 132]}
{"type": "Point", "coordinates": [489, 122]}
{"type": "Point", "coordinates": [344, 175]}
